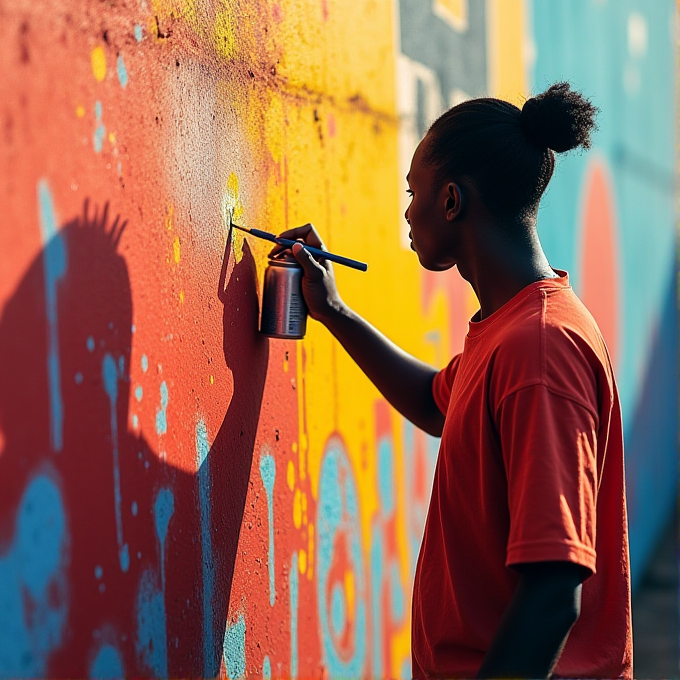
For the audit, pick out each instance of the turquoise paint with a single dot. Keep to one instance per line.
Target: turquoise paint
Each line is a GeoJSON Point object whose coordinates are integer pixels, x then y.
{"type": "Point", "coordinates": [90, 344]}
{"type": "Point", "coordinates": [235, 649]}
{"type": "Point", "coordinates": [107, 665]}
{"type": "Point", "coordinates": [338, 615]}
{"type": "Point", "coordinates": [135, 421]}
{"type": "Point", "coordinates": [386, 475]}
{"type": "Point", "coordinates": [266, 669]}
{"type": "Point", "coordinates": [139, 393]}
{"type": "Point", "coordinates": [98, 572]}
{"type": "Point", "coordinates": [134, 508]}
{"type": "Point", "coordinates": [100, 130]}
{"type": "Point", "coordinates": [151, 638]}
{"type": "Point", "coordinates": [139, 35]}
{"type": "Point", "coordinates": [338, 512]}
{"type": "Point", "coordinates": [78, 378]}
{"type": "Point", "coordinates": [203, 466]}
{"type": "Point", "coordinates": [54, 267]}
{"type": "Point", "coordinates": [377, 573]}
{"type": "Point", "coordinates": [161, 414]}
{"type": "Point", "coordinates": [294, 596]}
{"type": "Point", "coordinates": [122, 72]}
{"type": "Point", "coordinates": [145, 363]}
{"type": "Point", "coordinates": [268, 474]}
{"type": "Point", "coordinates": [33, 596]}
{"type": "Point", "coordinates": [164, 508]}
{"type": "Point", "coordinates": [121, 365]}
{"type": "Point", "coordinates": [110, 377]}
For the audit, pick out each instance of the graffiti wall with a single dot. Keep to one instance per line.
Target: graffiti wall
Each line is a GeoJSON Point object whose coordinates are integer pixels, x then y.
{"type": "Point", "coordinates": [181, 496]}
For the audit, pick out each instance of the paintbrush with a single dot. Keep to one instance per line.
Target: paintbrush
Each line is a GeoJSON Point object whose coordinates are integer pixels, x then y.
{"type": "Point", "coordinates": [289, 243]}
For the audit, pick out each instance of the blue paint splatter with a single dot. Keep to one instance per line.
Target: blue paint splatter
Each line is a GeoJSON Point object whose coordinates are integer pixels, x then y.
{"type": "Point", "coordinates": [151, 640]}
{"type": "Point", "coordinates": [203, 465]}
{"type": "Point", "coordinates": [139, 35]}
{"type": "Point", "coordinates": [135, 421]}
{"type": "Point", "coordinates": [268, 474]}
{"type": "Point", "coordinates": [110, 376]}
{"type": "Point", "coordinates": [139, 393]}
{"type": "Point", "coordinates": [33, 596]}
{"type": "Point", "coordinates": [122, 72]}
{"type": "Point", "coordinates": [266, 669]}
{"type": "Point", "coordinates": [235, 649]}
{"type": "Point", "coordinates": [134, 508]}
{"type": "Point", "coordinates": [107, 665]}
{"type": "Point", "coordinates": [145, 363]}
{"type": "Point", "coordinates": [90, 344]}
{"type": "Point", "coordinates": [100, 130]}
{"type": "Point", "coordinates": [163, 509]}
{"type": "Point", "coordinates": [294, 596]}
{"type": "Point", "coordinates": [338, 616]}
{"type": "Point", "coordinates": [338, 513]}
{"type": "Point", "coordinates": [377, 552]}
{"type": "Point", "coordinates": [386, 475]}
{"type": "Point", "coordinates": [79, 378]}
{"type": "Point", "coordinates": [121, 365]}
{"type": "Point", "coordinates": [162, 413]}
{"type": "Point", "coordinates": [54, 265]}
{"type": "Point", "coordinates": [98, 572]}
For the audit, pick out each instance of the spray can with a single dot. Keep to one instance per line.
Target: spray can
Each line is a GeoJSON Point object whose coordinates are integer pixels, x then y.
{"type": "Point", "coordinates": [284, 312]}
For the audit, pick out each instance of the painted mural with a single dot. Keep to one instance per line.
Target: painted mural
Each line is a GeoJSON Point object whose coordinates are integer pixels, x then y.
{"type": "Point", "coordinates": [181, 496]}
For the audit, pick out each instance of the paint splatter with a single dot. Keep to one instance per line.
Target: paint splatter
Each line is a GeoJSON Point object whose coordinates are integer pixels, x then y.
{"type": "Point", "coordinates": [294, 616]}
{"type": "Point", "coordinates": [164, 508]}
{"type": "Point", "coordinates": [100, 130]}
{"type": "Point", "coordinates": [134, 508]}
{"type": "Point", "coordinates": [151, 639]}
{"type": "Point", "coordinates": [122, 72]}
{"type": "Point", "coordinates": [98, 572]}
{"type": "Point", "coordinates": [203, 466]}
{"type": "Point", "coordinates": [162, 413]}
{"type": "Point", "coordinates": [144, 363]}
{"type": "Point", "coordinates": [235, 649]}
{"type": "Point", "coordinates": [268, 474]}
{"type": "Point", "coordinates": [98, 59]}
{"type": "Point", "coordinates": [107, 665]}
{"type": "Point", "coordinates": [176, 250]}
{"type": "Point", "coordinates": [33, 596]}
{"type": "Point", "coordinates": [139, 393]}
{"type": "Point", "coordinates": [339, 541]}
{"type": "Point", "coordinates": [266, 669]}
{"type": "Point", "coordinates": [90, 344]}
{"type": "Point", "coordinates": [386, 475]}
{"type": "Point", "coordinates": [54, 265]}
{"type": "Point", "coordinates": [139, 34]}
{"type": "Point", "coordinates": [110, 376]}
{"type": "Point", "coordinates": [377, 570]}
{"type": "Point", "coordinates": [78, 378]}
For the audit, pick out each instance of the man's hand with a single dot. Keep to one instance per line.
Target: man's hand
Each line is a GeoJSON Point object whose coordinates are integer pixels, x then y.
{"type": "Point", "coordinates": [318, 283]}
{"type": "Point", "coordinates": [536, 624]}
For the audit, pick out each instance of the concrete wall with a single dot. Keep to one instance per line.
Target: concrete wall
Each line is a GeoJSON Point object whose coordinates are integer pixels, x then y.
{"type": "Point", "coordinates": [181, 496]}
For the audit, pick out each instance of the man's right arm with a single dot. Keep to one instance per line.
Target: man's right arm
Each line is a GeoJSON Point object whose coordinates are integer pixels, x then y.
{"type": "Point", "coordinates": [403, 380]}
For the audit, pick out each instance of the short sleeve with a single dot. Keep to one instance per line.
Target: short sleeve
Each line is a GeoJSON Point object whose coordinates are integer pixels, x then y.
{"type": "Point", "coordinates": [443, 382]}
{"type": "Point", "coordinates": [549, 448]}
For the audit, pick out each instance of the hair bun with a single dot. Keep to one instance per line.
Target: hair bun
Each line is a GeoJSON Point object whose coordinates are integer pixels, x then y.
{"type": "Point", "coordinates": [559, 119]}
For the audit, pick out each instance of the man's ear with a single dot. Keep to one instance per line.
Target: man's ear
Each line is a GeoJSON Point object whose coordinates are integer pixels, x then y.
{"type": "Point", "coordinates": [454, 201]}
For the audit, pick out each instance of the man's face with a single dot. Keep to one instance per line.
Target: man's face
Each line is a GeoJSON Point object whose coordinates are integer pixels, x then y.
{"type": "Point", "coordinates": [431, 233]}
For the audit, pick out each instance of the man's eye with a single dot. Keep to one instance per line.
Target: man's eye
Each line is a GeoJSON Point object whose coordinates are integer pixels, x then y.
{"type": "Point", "coordinates": [409, 192]}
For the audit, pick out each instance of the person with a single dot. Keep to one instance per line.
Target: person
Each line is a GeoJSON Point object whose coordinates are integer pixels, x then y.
{"type": "Point", "coordinates": [523, 569]}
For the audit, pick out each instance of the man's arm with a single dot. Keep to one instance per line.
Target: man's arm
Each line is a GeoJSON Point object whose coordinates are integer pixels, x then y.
{"type": "Point", "coordinates": [402, 379]}
{"type": "Point", "coordinates": [536, 624]}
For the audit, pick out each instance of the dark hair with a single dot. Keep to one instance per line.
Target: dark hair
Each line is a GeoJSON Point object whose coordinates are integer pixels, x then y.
{"type": "Point", "coordinates": [506, 153]}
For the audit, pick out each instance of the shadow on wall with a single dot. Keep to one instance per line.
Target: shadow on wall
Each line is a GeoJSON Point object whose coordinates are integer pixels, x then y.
{"type": "Point", "coordinates": [112, 561]}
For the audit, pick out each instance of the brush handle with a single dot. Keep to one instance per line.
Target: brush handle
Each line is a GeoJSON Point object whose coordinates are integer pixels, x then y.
{"type": "Point", "coordinates": [289, 243]}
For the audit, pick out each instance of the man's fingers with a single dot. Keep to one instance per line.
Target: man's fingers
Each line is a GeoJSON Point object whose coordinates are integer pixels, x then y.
{"type": "Point", "coordinates": [311, 267]}
{"type": "Point", "coordinates": [306, 233]}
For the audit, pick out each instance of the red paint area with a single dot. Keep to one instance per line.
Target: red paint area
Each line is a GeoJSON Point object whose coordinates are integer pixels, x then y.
{"type": "Point", "coordinates": [600, 276]}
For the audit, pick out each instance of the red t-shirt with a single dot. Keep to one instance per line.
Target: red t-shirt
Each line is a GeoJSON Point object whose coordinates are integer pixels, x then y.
{"type": "Point", "coordinates": [530, 468]}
